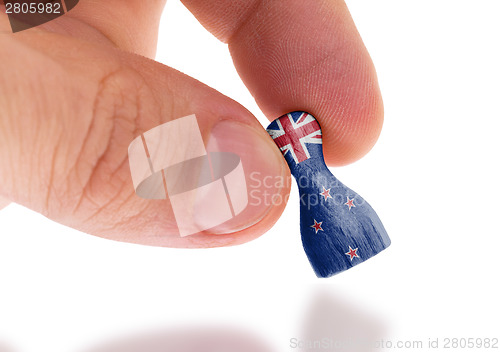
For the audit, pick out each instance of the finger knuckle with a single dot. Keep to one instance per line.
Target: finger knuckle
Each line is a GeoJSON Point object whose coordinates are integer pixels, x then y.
{"type": "Point", "coordinates": [101, 179]}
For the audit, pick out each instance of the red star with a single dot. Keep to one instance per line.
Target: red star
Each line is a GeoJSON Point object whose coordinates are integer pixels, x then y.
{"type": "Point", "coordinates": [350, 203]}
{"type": "Point", "coordinates": [352, 253]}
{"type": "Point", "coordinates": [317, 226]}
{"type": "Point", "coordinates": [326, 193]}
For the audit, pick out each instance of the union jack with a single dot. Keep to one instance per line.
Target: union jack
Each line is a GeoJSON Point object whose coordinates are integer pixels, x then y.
{"type": "Point", "coordinates": [293, 132]}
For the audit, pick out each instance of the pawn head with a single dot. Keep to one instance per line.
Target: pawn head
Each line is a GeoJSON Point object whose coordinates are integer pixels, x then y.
{"type": "Point", "coordinates": [339, 229]}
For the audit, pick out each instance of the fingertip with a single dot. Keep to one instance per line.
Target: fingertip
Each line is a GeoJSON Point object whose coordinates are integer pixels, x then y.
{"type": "Point", "coordinates": [352, 127]}
{"type": "Point", "coordinates": [348, 106]}
{"type": "Point", "coordinates": [3, 202]}
{"type": "Point", "coordinates": [310, 57]}
{"type": "Point", "coordinates": [263, 195]}
{"type": "Point", "coordinates": [210, 240]}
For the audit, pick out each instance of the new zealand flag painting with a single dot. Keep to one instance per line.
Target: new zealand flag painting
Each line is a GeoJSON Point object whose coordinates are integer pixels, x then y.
{"type": "Point", "coordinates": [339, 229]}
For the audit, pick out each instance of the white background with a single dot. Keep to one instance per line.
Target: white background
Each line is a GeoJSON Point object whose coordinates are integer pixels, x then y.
{"type": "Point", "coordinates": [432, 178]}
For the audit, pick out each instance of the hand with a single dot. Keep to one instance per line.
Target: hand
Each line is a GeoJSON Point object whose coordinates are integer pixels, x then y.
{"type": "Point", "coordinates": [76, 91]}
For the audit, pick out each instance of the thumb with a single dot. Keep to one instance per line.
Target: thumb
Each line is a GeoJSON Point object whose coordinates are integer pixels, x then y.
{"type": "Point", "coordinates": [69, 109]}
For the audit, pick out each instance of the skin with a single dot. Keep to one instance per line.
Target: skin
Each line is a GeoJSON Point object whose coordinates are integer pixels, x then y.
{"type": "Point", "coordinates": [78, 89]}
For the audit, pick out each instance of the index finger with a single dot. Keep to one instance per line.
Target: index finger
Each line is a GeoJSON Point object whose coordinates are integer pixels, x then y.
{"type": "Point", "coordinates": [303, 55]}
